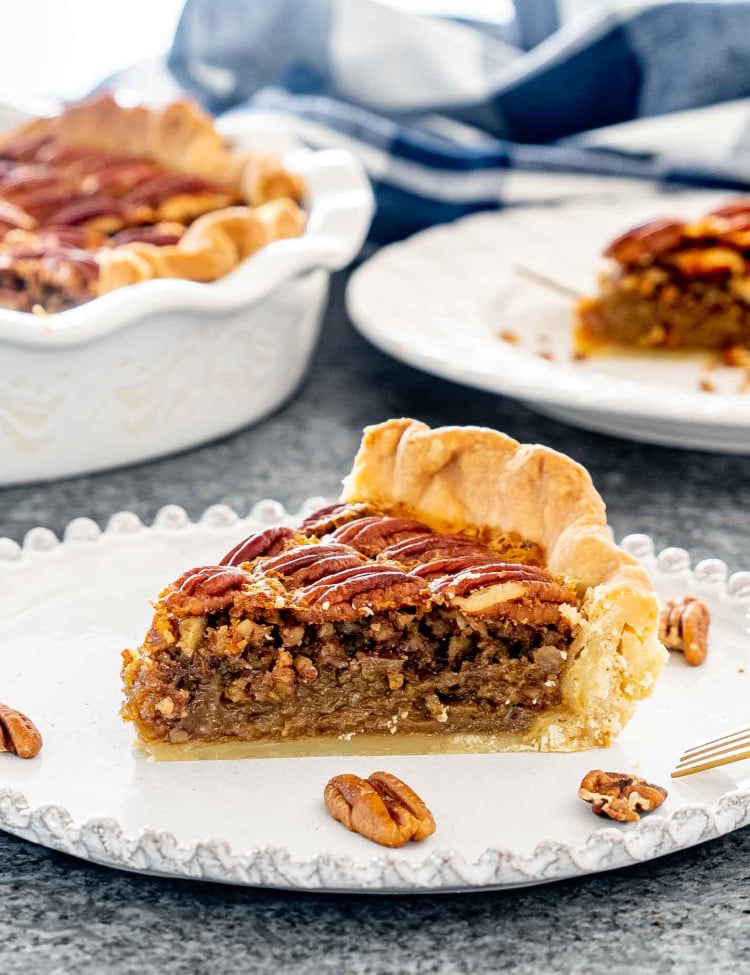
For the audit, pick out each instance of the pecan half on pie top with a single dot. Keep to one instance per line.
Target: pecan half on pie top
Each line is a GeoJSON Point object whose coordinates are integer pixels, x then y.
{"type": "Point", "coordinates": [464, 595]}
{"type": "Point", "coordinates": [102, 196]}
{"type": "Point", "coordinates": [674, 285]}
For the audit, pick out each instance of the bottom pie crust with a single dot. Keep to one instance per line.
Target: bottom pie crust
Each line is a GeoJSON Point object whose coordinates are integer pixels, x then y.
{"type": "Point", "coordinates": [419, 744]}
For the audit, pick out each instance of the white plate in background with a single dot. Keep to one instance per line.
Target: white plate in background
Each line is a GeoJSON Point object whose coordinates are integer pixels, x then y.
{"type": "Point", "coordinates": [441, 300]}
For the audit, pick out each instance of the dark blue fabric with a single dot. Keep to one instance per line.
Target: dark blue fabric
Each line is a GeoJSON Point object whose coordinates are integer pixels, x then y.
{"type": "Point", "coordinates": [400, 213]}
{"type": "Point", "coordinates": [703, 47]}
{"type": "Point", "coordinates": [606, 67]}
{"type": "Point", "coordinates": [596, 86]}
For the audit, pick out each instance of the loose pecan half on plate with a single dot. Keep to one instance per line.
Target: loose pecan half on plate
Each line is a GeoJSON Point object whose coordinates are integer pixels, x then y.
{"type": "Point", "coordinates": [381, 808]}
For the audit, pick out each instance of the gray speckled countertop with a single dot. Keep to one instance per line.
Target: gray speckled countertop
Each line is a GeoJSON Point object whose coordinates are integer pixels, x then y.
{"type": "Point", "coordinates": [687, 913]}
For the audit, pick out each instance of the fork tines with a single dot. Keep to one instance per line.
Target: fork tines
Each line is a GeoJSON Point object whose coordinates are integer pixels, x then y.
{"type": "Point", "coordinates": [721, 751]}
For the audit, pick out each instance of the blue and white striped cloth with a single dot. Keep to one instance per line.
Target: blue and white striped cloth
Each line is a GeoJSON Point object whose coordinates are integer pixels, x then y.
{"type": "Point", "coordinates": [444, 113]}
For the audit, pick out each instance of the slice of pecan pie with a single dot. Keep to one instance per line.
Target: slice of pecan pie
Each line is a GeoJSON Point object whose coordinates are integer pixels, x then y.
{"type": "Point", "coordinates": [102, 196]}
{"type": "Point", "coordinates": [674, 285]}
{"type": "Point", "coordinates": [465, 595]}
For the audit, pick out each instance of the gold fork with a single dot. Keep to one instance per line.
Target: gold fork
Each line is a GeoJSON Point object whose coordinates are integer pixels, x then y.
{"type": "Point", "coordinates": [711, 754]}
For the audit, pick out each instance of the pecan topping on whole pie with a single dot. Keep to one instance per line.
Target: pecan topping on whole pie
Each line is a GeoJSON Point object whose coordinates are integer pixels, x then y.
{"type": "Point", "coordinates": [160, 235]}
{"type": "Point", "coordinates": [381, 808]}
{"type": "Point", "coordinates": [171, 170]}
{"type": "Point", "coordinates": [620, 796]}
{"type": "Point", "coordinates": [18, 734]}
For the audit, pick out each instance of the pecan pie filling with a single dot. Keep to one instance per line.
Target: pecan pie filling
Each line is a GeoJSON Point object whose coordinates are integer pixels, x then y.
{"type": "Point", "coordinates": [359, 623]}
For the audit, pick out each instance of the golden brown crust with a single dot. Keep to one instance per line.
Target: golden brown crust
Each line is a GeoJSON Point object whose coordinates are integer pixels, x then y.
{"type": "Point", "coordinates": [211, 247]}
{"type": "Point", "coordinates": [466, 477]}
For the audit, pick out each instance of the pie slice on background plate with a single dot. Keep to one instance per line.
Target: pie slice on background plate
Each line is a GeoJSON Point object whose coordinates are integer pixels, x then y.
{"type": "Point", "coordinates": [672, 284]}
{"type": "Point", "coordinates": [464, 595]}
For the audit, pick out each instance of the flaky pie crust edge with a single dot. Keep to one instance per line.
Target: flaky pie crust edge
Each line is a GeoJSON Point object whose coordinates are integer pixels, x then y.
{"type": "Point", "coordinates": [472, 477]}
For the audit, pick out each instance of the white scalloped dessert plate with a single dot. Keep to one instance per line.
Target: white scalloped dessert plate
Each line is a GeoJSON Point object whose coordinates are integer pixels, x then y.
{"type": "Point", "coordinates": [503, 820]}
{"type": "Point", "coordinates": [441, 300]}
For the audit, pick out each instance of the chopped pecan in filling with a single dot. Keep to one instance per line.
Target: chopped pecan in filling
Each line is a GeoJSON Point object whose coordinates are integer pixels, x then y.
{"type": "Point", "coordinates": [358, 623]}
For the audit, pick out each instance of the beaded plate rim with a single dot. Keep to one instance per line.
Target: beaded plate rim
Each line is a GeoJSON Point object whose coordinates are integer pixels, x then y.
{"type": "Point", "coordinates": [157, 852]}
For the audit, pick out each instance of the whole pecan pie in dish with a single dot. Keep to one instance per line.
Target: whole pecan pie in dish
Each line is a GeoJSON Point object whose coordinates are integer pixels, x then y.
{"type": "Point", "coordinates": [464, 595]}
{"type": "Point", "coordinates": [103, 196]}
{"type": "Point", "coordinates": [674, 285]}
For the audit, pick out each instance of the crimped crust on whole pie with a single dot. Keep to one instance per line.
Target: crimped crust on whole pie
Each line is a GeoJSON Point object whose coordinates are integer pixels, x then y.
{"type": "Point", "coordinates": [103, 196]}
{"type": "Point", "coordinates": [671, 284]}
{"type": "Point", "coordinates": [465, 595]}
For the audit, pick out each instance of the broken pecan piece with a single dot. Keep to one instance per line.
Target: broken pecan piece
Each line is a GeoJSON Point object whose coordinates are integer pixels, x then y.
{"type": "Point", "coordinates": [18, 733]}
{"type": "Point", "coordinates": [683, 626]}
{"type": "Point", "coordinates": [381, 808]}
{"type": "Point", "coordinates": [620, 796]}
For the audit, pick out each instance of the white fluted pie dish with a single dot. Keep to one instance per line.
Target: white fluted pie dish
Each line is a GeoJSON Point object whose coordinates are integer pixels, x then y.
{"type": "Point", "coordinates": [503, 820]}
{"type": "Point", "coordinates": [164, 365]}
